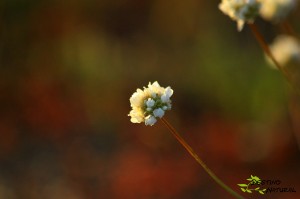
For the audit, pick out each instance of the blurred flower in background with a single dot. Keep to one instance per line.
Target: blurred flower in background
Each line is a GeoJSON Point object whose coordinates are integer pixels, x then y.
{"type": "Point", "coordinates": [286, 50]}
{"type": "Point", "coordinates": [242, 11]}
{"type": "Point", "coordinates": [67, 70]}
{"type": "Point", "coordinates": [277, 10]}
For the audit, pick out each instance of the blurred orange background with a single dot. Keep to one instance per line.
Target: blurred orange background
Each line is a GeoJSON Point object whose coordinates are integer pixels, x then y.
{"type": "Point", "coordinates": [68, 69]}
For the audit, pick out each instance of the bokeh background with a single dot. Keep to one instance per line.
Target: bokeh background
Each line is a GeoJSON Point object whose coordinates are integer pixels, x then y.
{"type": "Point", "coordinates": [68, 68]}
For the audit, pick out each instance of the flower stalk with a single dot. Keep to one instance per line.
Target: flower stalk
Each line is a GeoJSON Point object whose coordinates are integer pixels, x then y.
{"type": "Point", "coordinates": [286, 26]}
{"type": "Point", "coordinates": [265, 47]}
{"type": "Point", "coordinates": [150, 104]}
{"type": "Point", "coordinates": [268, 52]}
{"type": "Point", "coordinates": [196, 157]}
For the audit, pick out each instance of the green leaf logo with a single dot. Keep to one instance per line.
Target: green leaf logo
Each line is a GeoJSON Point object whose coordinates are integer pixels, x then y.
{"type": "Point", "coordinates": [254, 180]}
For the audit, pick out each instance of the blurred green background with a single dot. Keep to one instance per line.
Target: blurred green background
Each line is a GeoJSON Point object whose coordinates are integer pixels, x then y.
{"type": "Point", "coordinates": [68, 69]}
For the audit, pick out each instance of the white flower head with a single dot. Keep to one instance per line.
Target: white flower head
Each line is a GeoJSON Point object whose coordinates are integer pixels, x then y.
{"type": "Point", "coordinates": [285, 49]}
{"type": "Point", "coordinates": [241, 11]}
{"type": "Point", "coordinates": [276, 10]}
{"type": "Point", "coordinates": [150, 103]}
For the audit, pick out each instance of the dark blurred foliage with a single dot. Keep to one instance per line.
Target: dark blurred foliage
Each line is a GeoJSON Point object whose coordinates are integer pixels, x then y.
{"type": "Point", "coordinates": [68, 68]}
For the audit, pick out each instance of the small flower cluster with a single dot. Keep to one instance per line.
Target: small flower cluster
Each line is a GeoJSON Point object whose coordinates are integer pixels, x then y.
{"type": "Point", "coordinates": [285, 49]}
{"type": "Point", "coordinates": [276, 10]}
{"type": "Point", "coordinates": [242, 11]}
{"type": "Point", "coordinates": [245, 11]}
{"type": "Point", "coordinates": [150, 103]}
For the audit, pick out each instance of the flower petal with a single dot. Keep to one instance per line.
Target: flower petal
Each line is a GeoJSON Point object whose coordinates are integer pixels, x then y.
{"type": "Point", "coordinates": [158, 113]}
{"type": "Point", "coordinates": [150, 120]}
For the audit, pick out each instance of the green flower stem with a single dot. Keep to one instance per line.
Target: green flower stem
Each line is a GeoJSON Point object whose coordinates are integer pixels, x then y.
{"type": "Point", "coordinates": [196, 157]}
{"type": "Point", "coordinates": [267, 50]}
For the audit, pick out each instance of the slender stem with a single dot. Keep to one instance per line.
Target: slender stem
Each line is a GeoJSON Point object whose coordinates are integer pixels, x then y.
{"type": "Point", "coordinates": [265, 47]}
{"type": "Point", "coordinates": [288, 29]}
{"type": "Point", "coordinates": [196, 157]}
{"type": "Point", "coordinates": [267, 50]}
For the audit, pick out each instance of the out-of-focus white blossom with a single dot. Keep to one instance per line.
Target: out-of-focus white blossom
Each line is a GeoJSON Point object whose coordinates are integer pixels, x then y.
{"type": "Point", "coordinates": [241, 11]}
{"type": "Point", "coordinates": [150, 103]}
{"type": "Point", "coordinates": [286, 50]}
{"type": "Point", "coordinates": [276, 10]}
